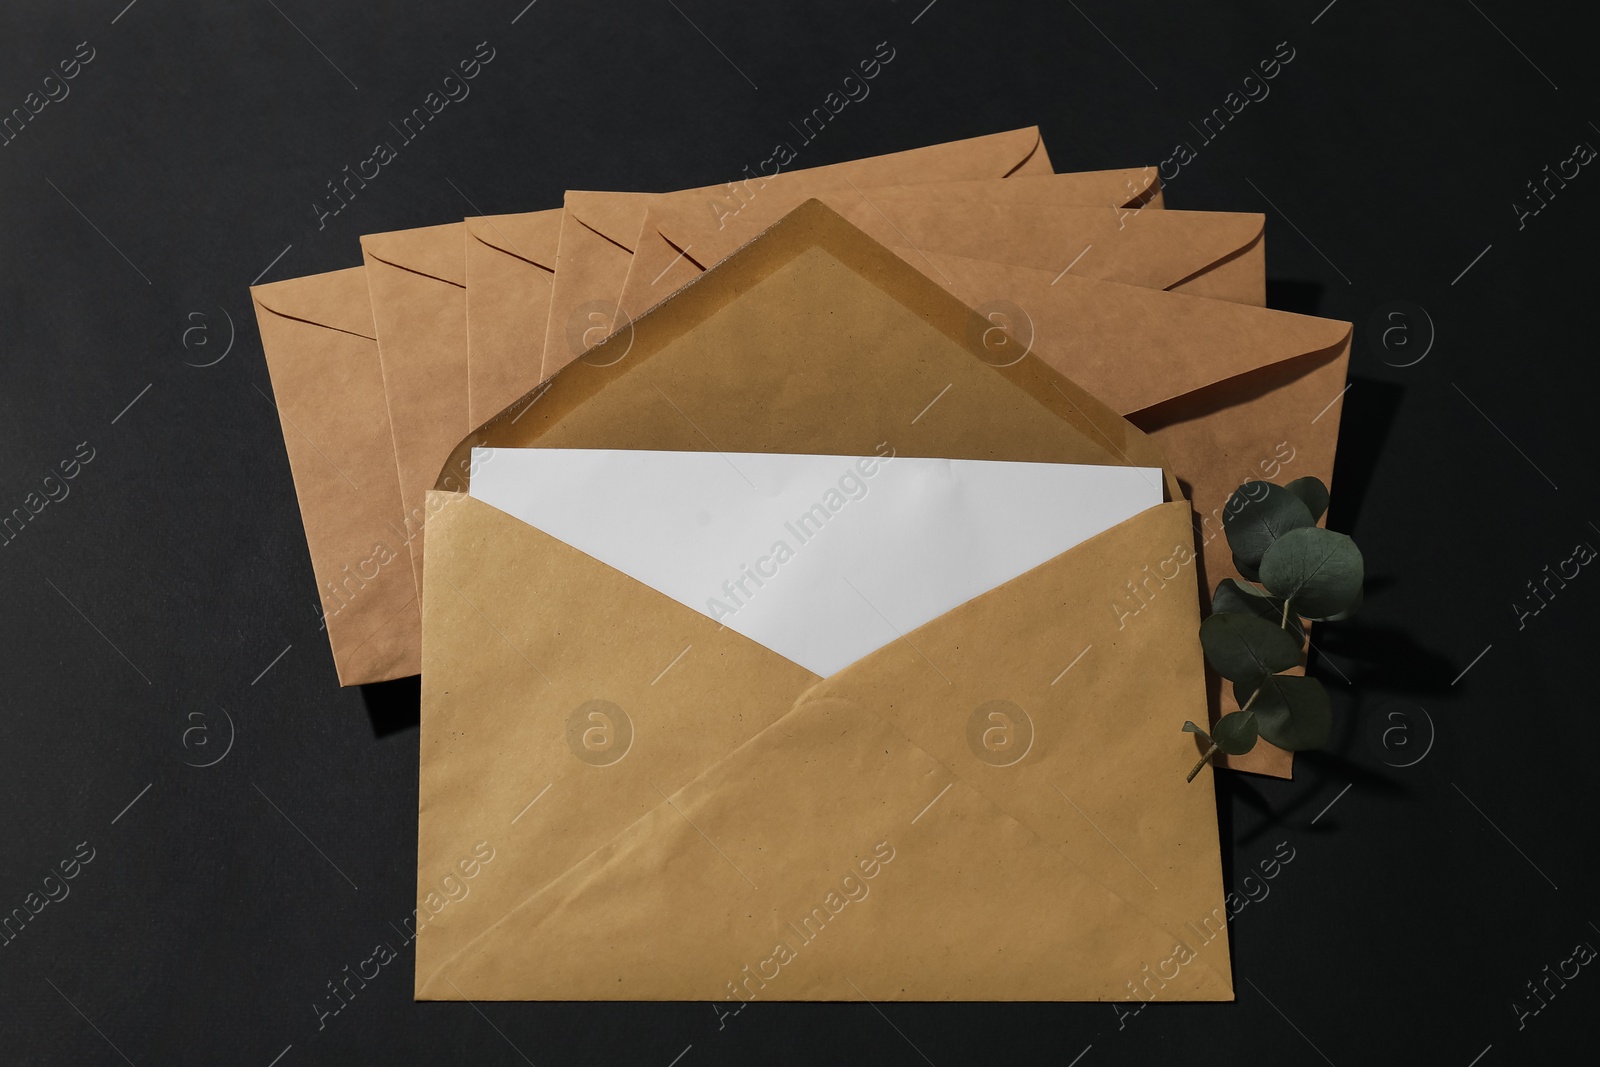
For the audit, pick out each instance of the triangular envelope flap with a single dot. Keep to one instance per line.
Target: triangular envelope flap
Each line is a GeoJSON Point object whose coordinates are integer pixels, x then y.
{"type": "Point", "coordinates": [338, 300]}
{"type": "Point", "coordinates": [519, 746]}
{"type": "Point", "coordinates": [1131, 346]}
{"type": "Point", "coordinates": [1156, 250]}
{"type": "Point", "coordinates": [687, 221]}
{"type": "Point", "coordinates": [815, 339]}
{"type": "Point", "coordinates": [1124, 187]}
{"type": "Point", "coordinates": [618, 216]}
{"type": "Point", "coordinates": [820, 558]}
{"type": "Point", "coordinates": [828, 859]}
{"type": "Point", "coordinates": [1060, 697]}
{"type": "Point", "coordinates": [615, 216]}
{"type": "Point", "coordinates": [530, 235]}
{"type": "Point", "coordinates": [436, 251]}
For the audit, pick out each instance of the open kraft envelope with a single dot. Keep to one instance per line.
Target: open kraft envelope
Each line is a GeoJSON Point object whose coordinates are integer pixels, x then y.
{"type": "Point", "coordinates": [1201, 253]}
{"type": "Point", "coordinates": [752, 796]}
{"type": "Point", "coordinates": [599, 229]}
{"type": "Point", "coordinates": [319, 341]}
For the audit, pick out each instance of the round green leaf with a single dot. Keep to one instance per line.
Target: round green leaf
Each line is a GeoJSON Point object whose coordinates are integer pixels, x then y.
{"type": "Point", "coordinates": [1242, 647]}
{"type": "Point", "coordinates": [1235, 733]}
{"type": "Point", "coordinates": [1235, 598]}
{"type": "Point", "coordinates": [1318, 571]}
{"type": "Point", "coordinates": [1292, 712]}
{"type": "Point", "coordinates": [1257, 515]}
{"type": "Point", "coordinates": [1312, 493]}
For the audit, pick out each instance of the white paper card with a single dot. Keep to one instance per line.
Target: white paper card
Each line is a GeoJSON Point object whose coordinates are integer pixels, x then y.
{"type": "Point", "coordinates": [822, 559]}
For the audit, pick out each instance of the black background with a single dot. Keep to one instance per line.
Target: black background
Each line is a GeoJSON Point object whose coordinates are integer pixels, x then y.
{"type": "Point", "coordinates": [188, 155]}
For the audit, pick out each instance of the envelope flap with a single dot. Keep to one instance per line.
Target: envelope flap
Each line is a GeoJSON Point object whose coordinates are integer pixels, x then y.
{"type": "Point", "coordinates": [992, 156]}
{"type": "Point", "coordinates": [1131, 346]}
{"type": "Point", "coordinates": [338, 300]}
{"type": "Point", "coordinates": [530, 235]}
{"type": "Point", "coordinates": [1155, 249]}
{"type": "Point", "coordinates": [829, 858]}
{"type": "Point", "coordinates": [435, 251]}
{"type": "Point", "coordinates": [845, 347]}
{"type": "Point", "coordinates": [1127, 187]}
{"type": "Point", "coordinates": [615, 216]}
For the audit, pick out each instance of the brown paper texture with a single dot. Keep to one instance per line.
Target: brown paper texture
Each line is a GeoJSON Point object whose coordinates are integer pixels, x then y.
{"type": "Point", "coordinates": [682, 237]}
{"type": "Point", "coordinates": [318, 337]}
{"type": "Point", "coordinates": [599, 230]}
{"type": "Point", "coordinates": [655, 874]}
{"type": "Point", "coordinates": [417, 280]}
{"type": "Point", "coordinates": [510, 270]}
{"type": "Point", "coordinates": [1204, 253]}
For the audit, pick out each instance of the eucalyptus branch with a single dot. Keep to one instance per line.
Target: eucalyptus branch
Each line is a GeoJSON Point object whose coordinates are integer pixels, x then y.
{"type": "Point", "coordinates": [1212, 751]}
{"type": "Point", "coordinates": [1282, 555]}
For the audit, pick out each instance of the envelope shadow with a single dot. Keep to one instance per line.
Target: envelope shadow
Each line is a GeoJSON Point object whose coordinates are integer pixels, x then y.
{"type": "Point", "coordinates": [393, 706]}
{"type": "Point", "coordinates": [1302, 298]}
{"type": "Point", "coordinates": [1370, 409]}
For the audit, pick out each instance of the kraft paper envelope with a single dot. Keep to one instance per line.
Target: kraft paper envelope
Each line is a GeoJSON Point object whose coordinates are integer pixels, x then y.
{"type": "Point", "coordinates": [510, 269]}
{"type": "Point", "coordinates": [1020, 756]}
{"type": "Point", "coordinates": [680, 239]}
{"type": "Point", "coordinates": [319, 341]}
{"type": "Point", "coordinates": [1229, 392]}
{"type": "Point", "coordinates": [598, 230]}
{"type": "Point", "coordinates": [1202, 253]}
{"type": "Point", "coordinates": [417, 280]}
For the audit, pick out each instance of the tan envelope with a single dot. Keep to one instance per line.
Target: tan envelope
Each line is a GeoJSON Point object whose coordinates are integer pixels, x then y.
{"type": "Point", "coordinates": [599, 230]}
{"type": "Point", "coordinates": [319, 341]}
{"type": "Point", "coordinates": [1202, 253]}
{"type": "Point", "coordinates": [1085, 869]}
{"type": "Point", "coordinates": [417, 280]}
{"type": "Point", "coordinates": [510, 269]}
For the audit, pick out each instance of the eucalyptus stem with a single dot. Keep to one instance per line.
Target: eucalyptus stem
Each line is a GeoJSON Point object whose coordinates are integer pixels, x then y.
{"type": "Point", "coordinates": [1212, 751]}
{"type": "Point", "coordinates": [1203, 761]}
{"type": "Point", "coordinates": [1284, 624]}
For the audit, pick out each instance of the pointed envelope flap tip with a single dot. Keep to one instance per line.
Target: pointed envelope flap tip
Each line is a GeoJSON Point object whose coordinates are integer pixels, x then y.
{"type": "Point", "coordinates": [615, 216]}
{"type": "Point", "coordinates": [814, 338]}
{"type": "Point", "coordinates": [436, 251]}
{"type": "Point", "coordinates": [1134, 347]}
{"type": "Point", "coordinates": [338, 300]}
{"type": "Point", "coordinates": [531, 236]}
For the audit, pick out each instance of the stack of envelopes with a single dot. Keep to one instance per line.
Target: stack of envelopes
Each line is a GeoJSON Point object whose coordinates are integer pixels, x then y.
{"type": "Point", "coordinates": [813, 572]}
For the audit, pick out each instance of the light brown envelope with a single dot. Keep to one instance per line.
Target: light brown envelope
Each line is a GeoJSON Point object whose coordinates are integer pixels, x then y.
{"type": "Point", "coordinates": [417, 280]}
{"type": "Point", "coordinates": [680, 238]}
{"type": "Point", "coordinates": [510, 269]}
{"type": "Point", "coordinates": [599, 230]}
{"type": "Point", "coordinates": [653, 871]}
{"type": "Point", "coordinates": [319, 341]}
{"type": "Point", "coordinates": [1201, 253]}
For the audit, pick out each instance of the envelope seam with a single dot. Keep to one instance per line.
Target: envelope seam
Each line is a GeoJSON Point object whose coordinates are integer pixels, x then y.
{"type": "Point", "coordinates": [413, 270]}
{"type": "Point", "coordinates": [313, 322]}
